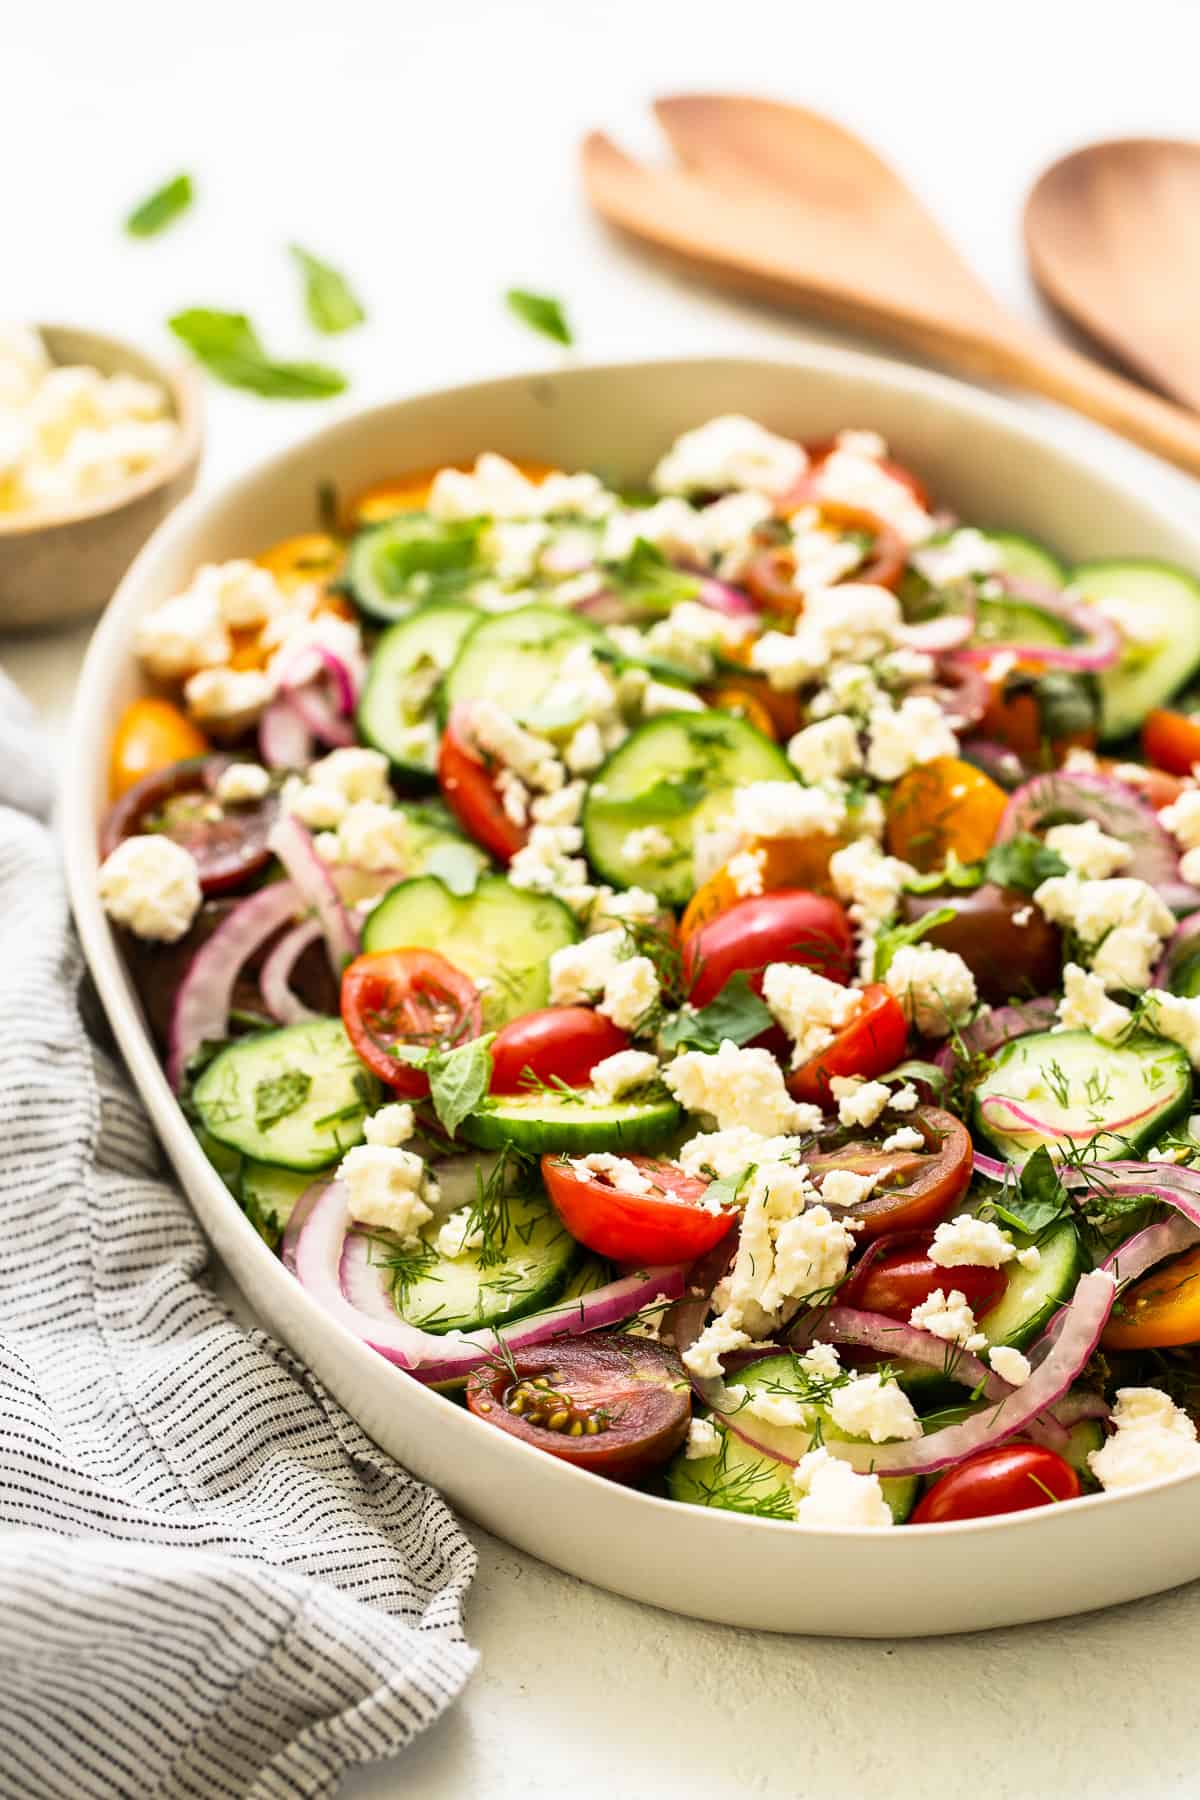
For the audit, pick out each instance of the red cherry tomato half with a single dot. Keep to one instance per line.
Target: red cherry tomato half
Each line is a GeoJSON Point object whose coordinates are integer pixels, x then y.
{"type": "Point", "coordinates": [913, 1188]}
{"type": "Point", "coordinates": [469, 790]}
{"type": "Point", "coordinates": [562, 1042]}
{"type": "Point", "coordinates": [616, 1405]}
{"type": "Point", "coordinates": [229, 843]}
{"type": "Point", "coordinates": [870, 1045]}
{"type": "Point", "coordinates": [666, 1225]}
{"type": "Point", "coordinates": [1007, 1478]}
{"type": "Point", "coordinates": [790, 925]}
{"type": "Point", "coordinates": [1171, 741]}
{"type": "Point", "coordinates": [415, 997]}
{"type": "Point", "coordinates": [896, 1274]}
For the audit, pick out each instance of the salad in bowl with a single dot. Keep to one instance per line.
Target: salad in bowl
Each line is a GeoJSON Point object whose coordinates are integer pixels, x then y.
{"type": "Point", "coordinates": [708, 977]}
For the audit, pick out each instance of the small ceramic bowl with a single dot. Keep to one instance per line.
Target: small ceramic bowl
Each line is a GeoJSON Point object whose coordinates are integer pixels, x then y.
{"type": "Point", "coordinates": [56, 566]}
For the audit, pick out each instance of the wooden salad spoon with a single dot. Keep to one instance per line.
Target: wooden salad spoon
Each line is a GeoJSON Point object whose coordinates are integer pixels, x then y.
{"type": "Point", "coordinates": [1113, 234]}
{"type": "Point", "coordinates": [770, 199]}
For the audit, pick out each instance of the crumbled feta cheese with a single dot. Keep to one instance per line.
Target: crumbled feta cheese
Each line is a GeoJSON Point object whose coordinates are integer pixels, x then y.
{"type": "Point", "coordinates": [703, 1439]}
{"type": "Point", "coordinates": [948, 1316]}
{"type": "Point", "coordinates": [728, 531]}
{"type": "Point", "coordinates": [242, 782]}
{"type": "Point", "coordinates": [691, 634]}
{"type": "Point", "coordinates": [671, 525]}
{"type": "Point", "coordinates": [745, 870]}
{"type": "Point", "coordinates": [784, 809]}
{"type": "Point", "coordinates": [585, 748]}
{"type": "Point", "coordinates": [496, 489]}
{"type": "Point", "coordinates": [1182, 818]}
{"type": "Point", "coordinates": [228, 701]}
{"type": "Point", "coordinates": [246, 595]}
{"type": "Point", "coordinates": [659, 697]}
{"type": "Point", "coordinates": [632, 906]}
{"type": "Point", "coordinates": [560, 808]}
{"type": "Point", "coordinates": [718, 1154]}
{"type": "Point", "coordinates": [151, 885]}
{"type": "Point", "coordinates": [935, 987]}
{"type": "Point", "coordinates": [386, 1186]}
{"type": "Point", "coordinates": [648, 843]}
{"type": "Point", "coordinates": [870, 881]}
{"type": "Point", "coordinates": [1154, 1439]}
{"type": "Point", "coordinates": [779, 1409]}
{"type": "Point", "coordinates": [729, 452]}
{"type": "Point", "coordinates": [821, 1361]}
{"type": "Point", "coordinates": [906, 736]}
{"type": "Point", "coordinates": [703, 1358]}
{"type": "Point", "coordinates": [392, 1125]}
{"type": "Point", "coordinates": [320, 808]}
{"type": "Point", "coordinates": [787, 1251]}
{"type": "Point", "coordinates": [1085, 1006]}
{"type": "Point", "coordinates": [457, 1235]}
{"type": "Point", "coordinates": [859, 1102]}
{"type": "Point", "coordinates": [821, 557]}
{"type": "Point", "coordinates": [850, 687]}
{"type": "Point", "coordinates": [862, 483]}
{"type": "Point", "coordinates": [1126, 958]}
{"type": "Point", "coordinates": [1092, 909]}
{"type": "Point", "coordinates": [617, 1075]}
{"type": "Point", "coordinates": [810, 1008]}
{"type": "Point", "coordinates": [854, 620]}
{"type": "Point", "coordinates": [1030, 1257]}
{"type": "Point", "coordinates": [580, 971]}
{"type": "Point", "coordinates": [739, 1087]}
{"type": "Point", "coordinates": [870, 1407]}
{"type": "Point", "coordinates": [1088, 851]}
{"type": "Point", "coordinates": [512, 547]}
{"type": "Point", "coordinates": [620, 1173]}
{"type": "Point", "coordinates": [631, 993]}
{"type": "Point", "coordinates": [514, 798]}
{"type": "Point", "coordinates": [964, 553]}
{"type": "Point", "coordinates": [374, 836]}
{"type": "Point", "coordinates": [1010, 1365]}
{"type": "Point", "coordinates": [905, 1099]}
{"type": "Point", "coordinates": [182, 636]}
{"type": "Point", "coordinates": [845, 1188]}
{"type": "Point", "coordinates": [826, 750]}
{"type": "Point", "coordinates": [832, 1493]}
{"type": "Point", "coordinates": [496, 733]}
{"type": "Point", "coordinates": [966, 1239]}
{"type": "Point", "coordinates": [906, 1138]}
{"type": "Point", "coordinates": [1176, 1017]}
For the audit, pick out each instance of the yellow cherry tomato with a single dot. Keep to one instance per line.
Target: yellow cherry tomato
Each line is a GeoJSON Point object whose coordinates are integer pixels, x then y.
{"type": "Point", "coordinates": [295, 561]}
{"type": "Point", "coordinates": [798, 862]}
{"type": "Point", "coordinates": [730, 697]}
{"type": "Point", "coordinates": [410, 493]}
{"type": "Point", "coordinates": [1160, 1310]}
{"type": "Point", "coordinates": [150, 735]}
{"type": "Point", "coordinates": [945, 806]}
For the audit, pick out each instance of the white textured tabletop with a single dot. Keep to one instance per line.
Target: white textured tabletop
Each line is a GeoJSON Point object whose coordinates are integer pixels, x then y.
{"type": "Point", "coordinates": [428, 149]}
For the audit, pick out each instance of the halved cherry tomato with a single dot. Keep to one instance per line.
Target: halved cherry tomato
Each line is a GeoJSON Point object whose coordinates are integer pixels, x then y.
{"type": "Point", "coordinates": [1007, 959]}
{"type": "Point", "coordinates": [870, 1045]}
{"type": "Point", "coordinates": [792, 926]}
{"type": "Point", "coordinates": [729, 697]}
{"type": "Point", "coordinates": [1160, 1310]}
{"type": "Point", "coordinates": [1006, 1478]}
{"type": "Point", "coordinates": [295, 561]}
{"type": "Point", "coordinates": [666, 1225]}
{"type": "Point", "coordinates": [1029, 710]}
{"type": "Point", "coordinates": [618, 1405]}
{"type": "Point", "coordinates": [393, 997]}
{"type": "Point", "coordinates": [799, 862]}
{"type": "Point", "coordinates": [913, 1188]}
{"type": "Point", "coordinates": [228, 843]}
{"type": "Point", "coordinates": [1171, 740]}
{"type": "Point", "coordinates": [150, 736]}
{"type": "Point", "coordinates": [470, 792]}
{"type": "Point", "coordinates": [563, 1042]}
{"type": "Point", "coordinates": [897, 1274]}
{"type": "Point", "coordinates": [943, 806]}
{"type": "Point", "coordinates": [784, 710]}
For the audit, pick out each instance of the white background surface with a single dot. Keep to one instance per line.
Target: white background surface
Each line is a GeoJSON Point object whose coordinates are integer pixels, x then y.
{"type": "Point", "coordinates": [429, 149]}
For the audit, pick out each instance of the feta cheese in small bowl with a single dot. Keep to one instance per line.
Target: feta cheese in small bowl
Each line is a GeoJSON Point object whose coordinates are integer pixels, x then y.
{"type": "Point", "coordinates": [97, 443]}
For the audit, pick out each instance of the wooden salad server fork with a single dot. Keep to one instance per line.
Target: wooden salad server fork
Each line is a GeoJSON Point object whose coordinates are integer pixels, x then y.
{"type": "Point", "coordinates": [1113, 234]}
{"type": "Point", "coordinates": [776, 201]}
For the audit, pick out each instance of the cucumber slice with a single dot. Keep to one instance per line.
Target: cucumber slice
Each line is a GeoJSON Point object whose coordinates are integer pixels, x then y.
{"type": "Point", "coordinates": [395, 567]}
{"type": "Point", "coordinates": [295, 1097]}
{"type": "Point", "coordinates": [269, 1194]}
{"type": "Point", "coordinates": [1061, 1088]}
{"type": "Point", "coordinates": [1027, 560]}
{"type": "Point", "coordinates": [574, 1124]}
{"type": "Point", "coordinates": [1167, 600]}
{"type": "Point", "coordinates": [672, 772]}
{"type": "Point", "coordinates": [999, 620]}
{"type": "Point", "coordinates": [1082, 1439]}
{"type": "Point", "coordinates": [227, 1162]}
{"type": "Point", "coordinates": [527, 1270]}
{"type": "Point", "coordinates": [405, 672]}
{"type": "Point", "coordinates": [742, 1479]}
{"type": "Point", "coordinates": [1033, 1296]}
{"type": "Point", "coordinates": [440, 847]}
{"type": "Point", "coordinates": [517, 656]}
{"type": "Point", "coordinates": [1185, 979]}
{"type": "Point", "coordinates": [592, 1273]}
{"type": "Point", "coordinates": [498, 933]}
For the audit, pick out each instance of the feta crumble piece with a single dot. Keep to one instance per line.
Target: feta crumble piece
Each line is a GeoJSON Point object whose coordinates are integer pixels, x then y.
{"type": "Point", "coordinates": [1182, 819]}
{"type": "Point", "coordinates": [859, 1102]}
{"type": "Point", "coordinates": [1010, 1365]}
{"type": "Point", "coordinates": [948, 1316]}
{"type": "Point", "coordinates": [811, 1009]}
{"type": "Point", "coordinates": [649, 843]}
{"type": "Point", "coordinates": [935, 987]}
{"type": "Point", "coordinates": [965, 1239]}
{"type": "Point", "coordinates": [496, 489]}
{"type": "Point", "coordinates": [495, 733]}
{"type": "Point", "coordinates": [745, 870]}
{"type": "Point", "coordinates": [785, 809]}
{"type": "Point", "coordinates": [1030, 1257]}
{"type": "Point", "coordinates": [703, 1358]}
{"type": "Point", "coordinates": [1153, 1439]}
{"type": "Point", "coordinates": [456, 1236]}
{"type": "Point", "coordinates": [228, 701]}
{"type": "Point", "coordinates": [739, 1087]}
{"type": "Point", "coordinates": [905, 1099]}
{"type": "Point", "coordinates": [631, 993]}
{"type": "Point", "coordinates": [386, 1187]}
{"type": "Point", "coordinates": [821, 1361]}
{"type": "Point", "coordinates": [392, 1125]}
{"type": "Point", "coordinates": [906, 736]}
{"type": "Point", "coordinates": [617, 1075]}
{"type": "Point", "coordinates": [1176, 1017]}
{"type": "Point", "coordinates": [964, 553]}
{"type": "Point", "coordinates": [729, 452]}
{"type": "Point", "coordinates": [579, 972]}
{"type": "Point", "coordinates": [703, 1439]}
{"type": "Point", "coordinates": [241, 783]}
{"type": "Point", "coordinates": [845, 1188]}
{"type": "Point", "coordinates": [832, 1493]}
{"type": "Point", "coordinates": [862, 482]}
{"type": "Point", "coordinates": [618, 1171]}
{"type": "Point", "coordinates": [151, 885]}
{"type": "Point", "coordinates": [870, 881]}
{"type": "Point", "coordinates": [374, 836]}
{"type": "Point", "coordinates": [1088, 851]}
{"type": "Point", "coordinates": [870, 1407]}
{"type": "Point", "coordinates": [907, 1137]}
{"type": "Point", "coordinates": [1085, 1006]}
{"type": "Point", "coordinates": [718, 1154]}
{"type": "Point", "coordinates": [826, 750]}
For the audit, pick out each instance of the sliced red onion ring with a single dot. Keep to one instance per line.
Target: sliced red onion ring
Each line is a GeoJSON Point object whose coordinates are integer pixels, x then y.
{"type": "Point", "coordinates": [284, 740]}
{"type": "Point", "coordinates": [992, 1169]}
{"type": "Point", "coordinates": [935, 636]}
{"type": "Point", "coordinates": [720, 597]}
{"type": "Point", "coordinates": [1117, 810]}
{"type": "Point", "coordinates": [281, 1002]}
{"type": "Point", "coordinates": [1011, 1117]}
{"type": "Point", "coordinates": [201, 1011]}
{"type": "Point", "coordinates": [1003, 765]}
{"type": "Point", "coordinates": [298, 1220]}
{"type": "Point", "coordinates": [330, 1261]}
{"type": "Point", "coordinates": [294, 847]}
{"type": "Point", "coordinates": [1180, 948]}
{"type": "Point", "coordinates": [320, 717]}
{"type": "Point", "coordinates": [960, 690]}
{"type": "Point", "coordinates": [326, 717]}
{"type": "Point", "coordinates": [1100, 644]}
{"type": "Point", "coordinates": [1002, 1023]}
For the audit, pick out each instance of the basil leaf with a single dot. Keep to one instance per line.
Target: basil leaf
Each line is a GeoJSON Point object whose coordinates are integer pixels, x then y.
{"type": "Point", "coordinates": [331, 302]}
{"type": "Point", "coordinates": [229, 347]}
{"type": "Point", "coordinates": [646, 578]}
{"type": "Point", "coordinates": [541, 312]}
{"type": "Point", "coordinates": [459, 1080]}
{"type": "Point", "coordinates": [725, 1190]}
{"type": "Point", "coordinates": [737, 1013]}
{"type": "Point", "coordinates": [1023, 863]}
{"type": "Point", "coordinates": [897, 937]}
{"type": "Point", "coordinates": [279, 1096]}
{"type": "Point", "coordinates": [1040, 1200]}
{"type": "Point", "coordinates": [161, 208]}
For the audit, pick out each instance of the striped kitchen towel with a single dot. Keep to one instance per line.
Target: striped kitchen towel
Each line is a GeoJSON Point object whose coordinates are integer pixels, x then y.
{"type": "Point", "coordinates": [211, 1582]}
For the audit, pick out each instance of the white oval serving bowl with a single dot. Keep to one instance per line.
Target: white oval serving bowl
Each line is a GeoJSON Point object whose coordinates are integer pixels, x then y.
{"type": "Point", "coordinates": [993, 464]}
